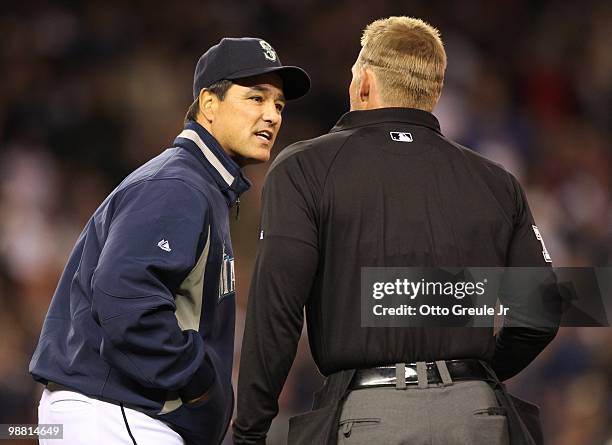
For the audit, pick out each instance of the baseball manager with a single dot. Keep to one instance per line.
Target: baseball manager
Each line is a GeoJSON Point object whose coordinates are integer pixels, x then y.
{"type": "Point", "coordinates": [138, 342]}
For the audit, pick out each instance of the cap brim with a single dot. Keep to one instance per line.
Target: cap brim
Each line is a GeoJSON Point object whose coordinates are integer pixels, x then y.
{"type": "Point", "coordinates": [296, 82]}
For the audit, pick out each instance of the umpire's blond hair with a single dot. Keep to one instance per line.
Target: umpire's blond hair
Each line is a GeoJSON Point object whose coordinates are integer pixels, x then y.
{"type": "Point", "coordinates": [408, 59]}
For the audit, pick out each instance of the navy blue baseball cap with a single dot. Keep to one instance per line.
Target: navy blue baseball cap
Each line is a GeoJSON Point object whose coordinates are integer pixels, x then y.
{"type": "Point", "coordinates": [237, 58]}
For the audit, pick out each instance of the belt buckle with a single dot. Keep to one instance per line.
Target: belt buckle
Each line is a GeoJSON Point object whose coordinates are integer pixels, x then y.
{"type": "Point", "coordinates": [410, 375]}
{"type": "Point", "coordinates": [374, 377]}
{"type": "Point", "coordinates": [385, 376]}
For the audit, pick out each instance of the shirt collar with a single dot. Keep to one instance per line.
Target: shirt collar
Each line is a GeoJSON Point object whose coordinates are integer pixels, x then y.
{"type": "Point", "coordinates": [354, 119]}
{"type": "Point", "coordinates": [224, 170]}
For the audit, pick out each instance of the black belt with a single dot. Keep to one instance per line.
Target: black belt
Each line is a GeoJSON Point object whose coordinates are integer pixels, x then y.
{"type": "Point", "coordinates": [385, 375]}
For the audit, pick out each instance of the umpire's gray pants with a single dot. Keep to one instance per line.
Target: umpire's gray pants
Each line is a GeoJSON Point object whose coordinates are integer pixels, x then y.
{"type": "Point", "coordinates": [436, 415]}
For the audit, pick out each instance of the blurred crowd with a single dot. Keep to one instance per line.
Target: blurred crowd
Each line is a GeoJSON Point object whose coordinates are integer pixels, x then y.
{"type": "Point", "coordinates": [90, 90]}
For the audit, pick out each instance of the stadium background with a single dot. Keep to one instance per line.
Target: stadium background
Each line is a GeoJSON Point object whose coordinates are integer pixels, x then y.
{"type": "Point", "coordinates": [90, 90]}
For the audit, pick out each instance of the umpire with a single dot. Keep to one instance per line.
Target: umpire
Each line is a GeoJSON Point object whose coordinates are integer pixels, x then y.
{"type": "Point", "coordinates": [385, 188]}
{"type": "Point", "coordinates": [138, 343]}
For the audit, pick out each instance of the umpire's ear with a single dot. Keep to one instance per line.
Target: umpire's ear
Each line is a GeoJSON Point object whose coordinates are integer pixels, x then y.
{"type": "Point", "coordinates": [364, 85]}
{"type": "Point", "coordinates": [368, 89]}
{"type": "Point", "coordinates": [208, 104]}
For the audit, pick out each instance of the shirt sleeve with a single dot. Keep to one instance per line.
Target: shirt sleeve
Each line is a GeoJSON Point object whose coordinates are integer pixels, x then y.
{"type": "Point", "coordinates": [153, 241]}
{"type": "Point", "coordinates": [285, 267]}
{"type": "Point", "coordinates": [516, 347]}
{"type": "Point", "coordinates": [527, 248]}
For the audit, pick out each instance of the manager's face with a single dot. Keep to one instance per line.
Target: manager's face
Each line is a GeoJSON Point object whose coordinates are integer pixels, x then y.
{"type": "Point", "coordinates": [248, 118]}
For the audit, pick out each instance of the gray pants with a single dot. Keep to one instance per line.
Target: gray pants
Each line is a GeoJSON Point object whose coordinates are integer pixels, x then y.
{"type": "Point", "coordinates": [460, 413]}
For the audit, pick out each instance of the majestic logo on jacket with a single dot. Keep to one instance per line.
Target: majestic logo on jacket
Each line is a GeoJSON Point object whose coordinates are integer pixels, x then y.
{"type": "Point", "coordinates": [164, 245]}
{"type": "Point", "coordinates": [227, 280]}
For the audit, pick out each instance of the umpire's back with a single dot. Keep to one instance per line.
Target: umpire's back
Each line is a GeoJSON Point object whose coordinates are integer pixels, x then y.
{"type": "Point", "coordinates": [386, 189]}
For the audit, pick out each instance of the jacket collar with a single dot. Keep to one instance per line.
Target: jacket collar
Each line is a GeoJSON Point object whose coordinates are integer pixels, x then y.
{"type": "Point", "coordinates": [226, 173]}
{"type": "Point", "coordinates": [354, 119]}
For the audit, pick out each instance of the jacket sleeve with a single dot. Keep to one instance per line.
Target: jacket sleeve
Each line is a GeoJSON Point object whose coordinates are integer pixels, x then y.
{"type": "Point", "coordinates": [516, 347]}
{"type": "Point", "coordinates": [284, 271]}
{"type": "Point", "coordinates": [153, 241]}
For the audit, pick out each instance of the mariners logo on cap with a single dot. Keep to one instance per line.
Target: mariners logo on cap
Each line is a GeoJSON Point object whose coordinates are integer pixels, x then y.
{"type": "Point", "coordinates": [268, 50]}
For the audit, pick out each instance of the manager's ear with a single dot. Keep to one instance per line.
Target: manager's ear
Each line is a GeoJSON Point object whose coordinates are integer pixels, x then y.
{"type": "Point", "coordinates": [209, 103]}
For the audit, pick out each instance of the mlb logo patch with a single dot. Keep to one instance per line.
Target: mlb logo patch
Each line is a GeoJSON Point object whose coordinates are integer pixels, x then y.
{"type": "Point", "coordinates": [400, 136]}
{"type": "Point", "coordinates": [538, 236]}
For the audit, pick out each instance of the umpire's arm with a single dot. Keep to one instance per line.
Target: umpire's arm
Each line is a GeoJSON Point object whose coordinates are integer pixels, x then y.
{"type": "Point", "coordinates": [516, 347]}
{"type": "Point", "coordinates": [284, 271]}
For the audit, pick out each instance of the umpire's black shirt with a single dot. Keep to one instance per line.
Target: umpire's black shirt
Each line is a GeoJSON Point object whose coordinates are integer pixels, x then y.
{"type": "Point", "coordinates": [356, 197]}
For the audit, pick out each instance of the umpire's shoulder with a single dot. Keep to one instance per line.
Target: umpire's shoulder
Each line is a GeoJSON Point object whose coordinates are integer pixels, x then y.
{"type": "Point", "coordinates": [305, 164]}
{"type": "Point", "coordinates": [483, 165]}
{"type": "Point", "coordinates": [314, 153]}
{"type": "Point", "coordinates": [500, 181]}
